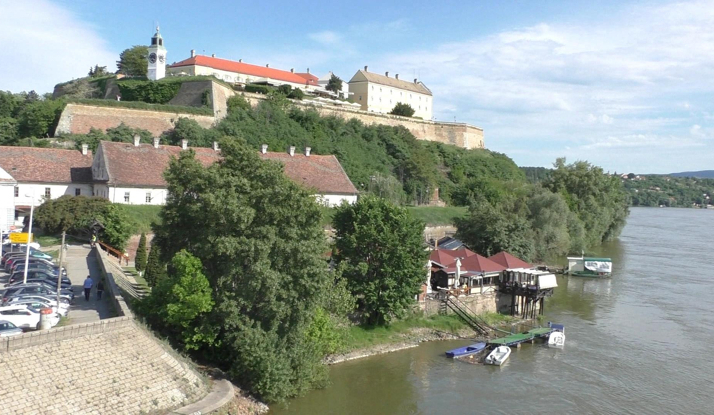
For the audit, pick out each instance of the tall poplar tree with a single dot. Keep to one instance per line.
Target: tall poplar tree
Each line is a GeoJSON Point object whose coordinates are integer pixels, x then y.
{"type": "Point", "coordinates": [140, 258]}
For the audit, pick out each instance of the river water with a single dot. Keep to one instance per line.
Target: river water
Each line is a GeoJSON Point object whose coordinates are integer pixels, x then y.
{"type": "Point", "coordinates": [638, 343]}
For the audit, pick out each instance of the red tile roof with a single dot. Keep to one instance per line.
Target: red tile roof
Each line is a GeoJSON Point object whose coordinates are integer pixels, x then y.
{"type": "Point", "coordinates": [144, 166]}
{"type": "Point", "coordinates": [447, 257]}
{"type": "Point", "coordinates": [509, 261]}
{"type": "Point", "coordinates": [46, 165]}
{"type": "Point", "coordinates": [477, 263]}
{"type": "Point", "coordinates": [242, 68]}
{"type": "Point", "coordinates": [310, 78]}
{"type": "Point", "coordinates": [322, 173]}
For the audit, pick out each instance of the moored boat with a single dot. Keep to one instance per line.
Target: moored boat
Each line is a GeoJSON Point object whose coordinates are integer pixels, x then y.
{"type": "Point", "coordinates": [498, 356]}
{"type": "Point", "coordinates": [556, 339]}
{"type": "Point", "coordinates": [589, 267]}
{"type": "Point", "coordinates": [466, 350]}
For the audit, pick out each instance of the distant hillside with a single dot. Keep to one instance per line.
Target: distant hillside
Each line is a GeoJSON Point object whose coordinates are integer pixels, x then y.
{"type": "Point", "coordinates": [702, 174]}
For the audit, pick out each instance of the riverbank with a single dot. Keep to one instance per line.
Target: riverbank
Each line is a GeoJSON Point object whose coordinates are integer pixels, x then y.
{"type": "Point", "coordinates": [370, 341]}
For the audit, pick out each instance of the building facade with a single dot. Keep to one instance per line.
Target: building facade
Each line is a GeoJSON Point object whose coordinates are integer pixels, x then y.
{"type": "Point", "coordinates": [156, 60]}
{"type": "Point", "coordinates": [7, 200]}
{"type": "Point", "coordinates": [380, 93]}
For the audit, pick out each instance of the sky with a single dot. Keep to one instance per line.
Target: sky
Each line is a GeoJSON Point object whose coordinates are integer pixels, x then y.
{"type": "Point", "coordinates": [625, 85]}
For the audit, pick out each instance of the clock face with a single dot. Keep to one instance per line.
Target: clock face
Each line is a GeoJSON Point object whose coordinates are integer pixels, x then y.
{"type": "Point", "coordinates": [152, 57]}
{"type": "Point", "coordinates": [161, 58]}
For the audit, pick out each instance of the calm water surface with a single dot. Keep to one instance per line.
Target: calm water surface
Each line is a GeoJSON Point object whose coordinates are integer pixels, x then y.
{"type": "Point", "coordinates": [639, 343]}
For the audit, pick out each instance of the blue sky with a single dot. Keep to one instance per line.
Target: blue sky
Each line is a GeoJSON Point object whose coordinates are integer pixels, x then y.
{"type": "Point", "coordinates": [625, 85]}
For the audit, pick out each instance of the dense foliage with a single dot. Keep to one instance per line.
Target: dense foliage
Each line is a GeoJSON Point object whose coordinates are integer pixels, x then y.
{"type": "Point", "coordinates": [122, 133]}
{"type": "Point", "coordinates": [75, 214]}
{"type": "Point", "coordinates": [151, 92]}
{"type": "Point", "coordinates": [26, 115]}
{"type": "Point", "coordinates": [262, 250]}
{"type": "Point", "coordinates": [133, 61]}
{"type": "Point", "coordinates": [536, 174]}
{"type": "Point", "coordinates": [140, 258]}
{"type": "Point", "coordinates": [654, 190]}
{"type": "Point", "coordinates": [334, 84]}
{"type": "Point", "coordinates": [155, 268]}
{"type": "Point", "coordinates": [405, 110]}
{"type": "Point", "coordinates": [380, 251]}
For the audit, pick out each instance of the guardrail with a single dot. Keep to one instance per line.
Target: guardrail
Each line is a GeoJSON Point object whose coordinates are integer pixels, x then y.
{"type": "Point", "coordinates": [117, 280]}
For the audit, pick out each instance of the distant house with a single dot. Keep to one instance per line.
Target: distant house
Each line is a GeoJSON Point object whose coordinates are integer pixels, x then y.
{"type": "Point", "coordinates": [132, 173]}
{"type": "Point", "coordinates": [342, 93]}
{"type": "Point", "coordinates": [238, 72]}
{"type": "Point", "coordinates": [463, 269]}
{"type": "Point", "coordinates": [7, 200]}
{"type": "Point", "coordinates": [48, 173]}
{"type": "Point", "coordinates": [380, 93]}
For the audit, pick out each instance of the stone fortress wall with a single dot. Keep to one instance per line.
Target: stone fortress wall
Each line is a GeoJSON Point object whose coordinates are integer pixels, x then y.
{"type": "Point", "coordinates": [79, 118]}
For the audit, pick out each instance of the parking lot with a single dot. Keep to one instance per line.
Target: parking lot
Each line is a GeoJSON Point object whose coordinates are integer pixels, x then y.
{"type": "Point", "coordinates": [80, 262]}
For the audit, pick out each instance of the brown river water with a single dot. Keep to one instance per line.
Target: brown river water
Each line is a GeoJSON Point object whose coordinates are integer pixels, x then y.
{"type": "Point", "coordinates": [641, 342]}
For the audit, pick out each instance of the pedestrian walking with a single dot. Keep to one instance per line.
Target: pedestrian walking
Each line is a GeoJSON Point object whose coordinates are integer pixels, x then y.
{"type": "Point", "coordinates": [94, 240]}
{"type": "Point", "coordinates": [100, 289]}
{"type": "Point", "coordinates": [88, 283]}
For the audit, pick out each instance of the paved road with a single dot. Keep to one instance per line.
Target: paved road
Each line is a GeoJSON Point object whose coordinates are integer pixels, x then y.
{"type": "Point", "coordinates": [81, 262]}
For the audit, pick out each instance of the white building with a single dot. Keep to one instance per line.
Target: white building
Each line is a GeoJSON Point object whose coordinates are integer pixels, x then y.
{"type": "Point", "coordinates": [46, 173]}
{"type": "Point", "coordinates": [344, 93]}
{"type": "Point", "coordinates": [238, 72]}
{"type": "Point", "coordinates": [380, 93]}
{"type": "Point", "coordinates": [132, 173]}
{"type": "Point", "coordinates": [7, 200]}
{"type": "Point", "coordinates": [156, 60]}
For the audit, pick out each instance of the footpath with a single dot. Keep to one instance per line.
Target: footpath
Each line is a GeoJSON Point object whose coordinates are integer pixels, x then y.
{"type": "Point", "coordinates": [80, 262]}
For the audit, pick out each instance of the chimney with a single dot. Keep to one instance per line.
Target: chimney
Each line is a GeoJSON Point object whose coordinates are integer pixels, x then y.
{"type": "Point", "coordinates": [292, 151]}
{"type": "Point", "coordinates": [365, 68]}
{"type": "Point", "coordinates": [213, 55]}
{"type": "Point", "coordinates": [396, 76]}
{"type": "Point", "coordinates": [386, 74]}
{"type": "Point", "coordinates": [85, 147]}
{"type": "Point", "coordinates": [184, 144]}
{"type": "Point", "coordinates": [156, 142]}
{"type": "Point", "coordinates": [137, 140]}
{"type": "Point", "coordinates": [307, 151]}
{"type": "Point", "coordinates": [415, 80]}
{"type": "Point", "coordinates": [264, 148]}
{"type": "Point", "coordinates": [267, 65]}
{"type": "Point", "coordinates": [292, 70]}
{"type": "Point", "coordinates": [193, 53]}
{"type": "Point", "coordinates": [240, 60]}
{"type": "Point", "coordinates": [308, 70]}
{"type": "Point", "coordinates": [215, 146]}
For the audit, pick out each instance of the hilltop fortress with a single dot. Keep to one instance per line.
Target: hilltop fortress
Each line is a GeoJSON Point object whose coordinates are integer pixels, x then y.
{"type": "Point", "coordinates": [208, 82]}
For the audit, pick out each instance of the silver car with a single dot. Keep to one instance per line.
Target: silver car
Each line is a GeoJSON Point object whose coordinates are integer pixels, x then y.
{"type": "Point", "coordinates": [8, 329]}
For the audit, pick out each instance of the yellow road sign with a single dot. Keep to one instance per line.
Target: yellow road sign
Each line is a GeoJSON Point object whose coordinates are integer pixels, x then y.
{"type": "Point", "coordinates": [19, 238]}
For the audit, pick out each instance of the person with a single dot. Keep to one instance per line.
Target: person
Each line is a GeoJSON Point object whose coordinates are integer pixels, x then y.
{"type": "Point", "coordinates": [100, 289]}
{"type": "Point", "coordinates": [126, 258]}
{"type": "Point", "coordinates": [88, 283]}
{"type": "Point", "coordinates": [94, 240]}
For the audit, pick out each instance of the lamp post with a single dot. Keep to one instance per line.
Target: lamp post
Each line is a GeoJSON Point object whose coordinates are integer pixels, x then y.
{"type": "Point", "coordinates": [29, 235]}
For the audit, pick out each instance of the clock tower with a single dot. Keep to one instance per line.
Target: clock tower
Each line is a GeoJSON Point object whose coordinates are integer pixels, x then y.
{"type": "Point", "coordinates": [157, 57]}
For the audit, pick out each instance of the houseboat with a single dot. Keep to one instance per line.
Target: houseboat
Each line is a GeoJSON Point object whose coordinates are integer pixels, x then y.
{"type": "Point", "coordinates": [589, 267]}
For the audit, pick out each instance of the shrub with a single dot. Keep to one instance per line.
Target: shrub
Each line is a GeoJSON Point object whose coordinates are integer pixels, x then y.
{"type": "Point", "coordinates": [257, 89]}
{"type": "Point", "coordinates": [404, 110]}
{"type": "Point", "coordinates": [143, 106]}
{"type": "Point", "coordinates": [296, 94]}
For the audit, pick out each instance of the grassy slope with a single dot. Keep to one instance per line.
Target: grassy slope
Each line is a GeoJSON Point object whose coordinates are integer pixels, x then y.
{"type": "Point", "coordinates": [434, 215]}
{"type": "Point", "coordinates": [142, 216]}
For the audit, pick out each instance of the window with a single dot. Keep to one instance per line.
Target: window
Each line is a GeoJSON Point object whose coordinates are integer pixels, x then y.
{"type": "Point", "coordinates": [360, 97]}
{"type": "Point", "coordinates": [126, 197]}
{"type": "Point", "coordinates": [77, 191]}
{"type": "Point", "coordinates": [148, 197]}
{"type": "Point", "coordinates": [17, 191]}
{"type": "Point", "coordinates": [48, 193]}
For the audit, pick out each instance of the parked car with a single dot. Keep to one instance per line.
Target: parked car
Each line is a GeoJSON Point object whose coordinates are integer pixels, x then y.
{"type": "Point", "coordinates": [62, 310]}
{"type": "Point", "coordinates": [25, 317]}
{"type": "Point", "coordinates": [12, 259]}
{"type": "Point", "coordinates": [7, 329]}
{"type": "Point", "coordinates": [37, 275]}
{"type": "Point", "coordinates": [51, 298]}
{"type": "Point", "coordinates": [37, 288]}
{"type": "Point", "coordinates": [44, 265]}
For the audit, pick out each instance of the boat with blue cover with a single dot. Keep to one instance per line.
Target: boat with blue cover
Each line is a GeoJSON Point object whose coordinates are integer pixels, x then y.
{"type": "Point", "coordinates": [466, 350]}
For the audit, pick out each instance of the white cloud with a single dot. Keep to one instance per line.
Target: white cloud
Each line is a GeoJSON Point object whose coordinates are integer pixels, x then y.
{"type": "Point", "coordinates": [44, 44]}
{"type": "Point", "coordinates": [326, 37]}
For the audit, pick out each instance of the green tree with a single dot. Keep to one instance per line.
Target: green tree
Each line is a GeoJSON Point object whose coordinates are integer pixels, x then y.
{"type": "Point", "coordinates": [334, 84]}
{"type": "Point", "coordinates": [255, 232]}
{"type": "Point", "coordinates": [98, 71]}
{"type": "Point", "coordinates": [296, 94]}
{"type": "Point", "coordinates": [405, 110]}
{"type": "Point", "coordinates": [381, 254]}
{"type": "Point", "coordinates": [179, 304]}
{"type": "Point", "coordinates": [117, 226]}
{"type": "Point", "coordinates": [155, 268]}
{"type": "Point", "coordinates": [140, 258]}
{"type": "Point", "coordinates": [133, 61]}
{"type": "Point", "coordinates": [285, 89]}
{"type": "Point", "coordinates": [189, 129]}
{"type": "Point", "coordinates": [39, 118]}
{"type": "Point", "coordinates": [238, 102]}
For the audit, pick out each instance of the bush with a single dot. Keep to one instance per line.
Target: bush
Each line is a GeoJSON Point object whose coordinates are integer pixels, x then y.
{"type": "Point", "coordinates": [285, 89]}
{"type": "Point", "coordinates": [148, 91]}
{"type": "Point", "coordinates": [257, 89]}
{"type": "Point", "coordinates": [405, 110]}
{"type": "Point", "coordinates": [144, 106]}
{"type": "Point", "coordinates": [296, 94]}
{"type": "Point", "coordinates": [140, 258]}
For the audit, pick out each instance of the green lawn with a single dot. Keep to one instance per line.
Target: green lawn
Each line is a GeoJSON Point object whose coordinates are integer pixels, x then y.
{"type": "Point", "coordinates": [48, 240]}
{"type": "Point", "coordinates": [435, 215]}
{"type": "Point", "coordinates": [142, 216]}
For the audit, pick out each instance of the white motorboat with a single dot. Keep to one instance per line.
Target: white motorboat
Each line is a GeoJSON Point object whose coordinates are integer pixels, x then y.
{"type": "Point", "coordinates": [498, 356]}
{"type": "Point", "coordinates": [556, 339]}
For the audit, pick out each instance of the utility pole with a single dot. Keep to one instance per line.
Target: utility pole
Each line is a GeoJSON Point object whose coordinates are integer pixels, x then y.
{"type": "Point", "coordinates": [29, 237]}
{"type": "Point", "coordinates": [59, 276]}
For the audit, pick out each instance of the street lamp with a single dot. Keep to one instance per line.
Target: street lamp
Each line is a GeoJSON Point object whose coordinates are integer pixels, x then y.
{"type": "Point", "coordinates": [29, 235]}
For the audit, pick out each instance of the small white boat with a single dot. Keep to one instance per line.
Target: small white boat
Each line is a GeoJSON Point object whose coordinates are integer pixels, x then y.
{"type": "Point", "coordinates": [556, 339]}
{"type": "Point", "coordinates": [498, 356]}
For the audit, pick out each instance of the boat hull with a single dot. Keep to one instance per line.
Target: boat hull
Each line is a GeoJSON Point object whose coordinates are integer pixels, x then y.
{"type": "Point", "coordinates": [466, 350]}
{"type": "Point", "coordinates": [556, 339]}
{"type": "Point", "coordinates": [498, 356]}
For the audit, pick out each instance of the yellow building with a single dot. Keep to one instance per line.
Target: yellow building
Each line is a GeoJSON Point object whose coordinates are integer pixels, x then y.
{"type": "Point", "coordinates": [380, 93]}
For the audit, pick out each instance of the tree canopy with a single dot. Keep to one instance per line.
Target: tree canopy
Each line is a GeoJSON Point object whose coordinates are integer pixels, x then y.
{"type": "Point", "coordinates": [380, 252]}
{"type": "Point", "coordinates": [256, 234]}
{"type": "Point", "coordinates": [133, 61]}
{"type": "Point", "coordinates": [405, 110]}
{"type": "Point", "coordinates": [334, 84]}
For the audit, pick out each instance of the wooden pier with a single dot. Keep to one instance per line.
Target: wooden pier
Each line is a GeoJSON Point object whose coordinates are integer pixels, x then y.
{"type": "Point", "coordinates": [518, 338]}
